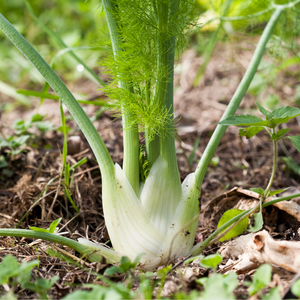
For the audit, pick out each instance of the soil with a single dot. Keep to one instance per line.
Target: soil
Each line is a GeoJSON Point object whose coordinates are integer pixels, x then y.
{"type": "Point", "coordinates": [239, 162]}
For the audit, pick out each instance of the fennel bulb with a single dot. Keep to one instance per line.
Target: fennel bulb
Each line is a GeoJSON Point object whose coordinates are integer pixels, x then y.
{"type": "Point", "coordinates": [163, 229]}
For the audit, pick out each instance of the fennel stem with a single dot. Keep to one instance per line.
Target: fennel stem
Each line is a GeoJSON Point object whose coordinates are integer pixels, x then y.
{"type": "Point", "coordinates": [130, 132]}
{"type": "Point", "coordinates": [237, 97]}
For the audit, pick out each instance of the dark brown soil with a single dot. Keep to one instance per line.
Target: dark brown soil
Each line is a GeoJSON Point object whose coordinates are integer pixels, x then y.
{"type": "Point", "coordinates": [242, 162]}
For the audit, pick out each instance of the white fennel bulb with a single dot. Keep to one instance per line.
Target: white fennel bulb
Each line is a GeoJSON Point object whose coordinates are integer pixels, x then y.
{"type": "Point", "coordinates": [161, 224]}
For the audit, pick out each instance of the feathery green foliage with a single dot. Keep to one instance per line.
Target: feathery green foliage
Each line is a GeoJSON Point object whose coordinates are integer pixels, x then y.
{"type": "Point", "coordinates": [143, 63]}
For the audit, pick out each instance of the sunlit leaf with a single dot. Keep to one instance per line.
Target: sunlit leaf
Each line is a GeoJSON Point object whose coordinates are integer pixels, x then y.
{"type": "Point", "coordinates": [261, 278]}
{"type": "Point", "coordinates": [277, 192]}
{"type": "Point", "coordinates": [286, 112]}
{"type": "Point", "coordinates": [211, 261]}
{"type": "Point", "coordinates": [238, 229]}
{"type": "Point", "coordinates": [53, 225]}
{"type": "Point", "coordinates": [264, 111]}
{"type": "Point", "coordinates": [231, 282]}
{"type": "Point", "coordinates": [258, 191]}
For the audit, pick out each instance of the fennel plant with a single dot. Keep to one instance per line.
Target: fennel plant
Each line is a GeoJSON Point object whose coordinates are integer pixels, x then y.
{"type": "Point", "coordinates": [157, 217]}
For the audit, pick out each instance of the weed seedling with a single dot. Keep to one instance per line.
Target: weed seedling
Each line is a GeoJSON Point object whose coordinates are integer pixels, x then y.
{"type": "Point", "coordinates": [261, 279]}
{"type": "Point", "coordinates": [252, 125]}
{"type": "Point", "coordinates": [217, 284]}
{"type": "Point", "coordinates": [12, 274]}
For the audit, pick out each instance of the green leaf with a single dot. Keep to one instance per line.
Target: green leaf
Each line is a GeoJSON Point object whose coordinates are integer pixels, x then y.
{"type": "Point", "coordinates": [25, 266]}
{"type": "Point", "coordinates": [244, 120]}
{"type": "Point", "coordinates": [17, 151]}
{"type": "Point", "coordinates": [164, 271]}
{"type": "Point", "coordinates": [4, 143]}
{"type": "Point", "coordinates": [25, 271]}
{"type": "Point", "coordinates": [53, 225]}
{"type": "Point", "coordinates": [295, 289]}
{"type": "Point", "coordinates": [258, 222]}
{"type": "Point", "coordinates": [61, 129]}
{"type": "Point", "coordinates": [231, 282]}
{"type": "Point", "coordinates": [21, 140]}
{"type": "Point", "coordinates": [216, 287]}
{"type": "Point", "coordinates": [277, 192]}
{"type": "Point", "coordinates": [3, 162]}
{"type": "Point", "coordinates": [38, 229]}
{"type": "Point", "coordinates": [9, 296]}
{"type": "Point", "coordinates": [20, 125]}
{"type": "Point", "coordinates": [282, 132]}
{"type": "Point", "coordinates": [274, 294]}
{"type": "Point", "coordinates": [264, 111]}
{"type": "Point", "coordinates": [279, 134]}
{"type": "Point", "coordinates": [191, 259]}
{"type": "Point", "coordinates": [126, 264]}
{"type": "Point", "coordinates": [261, 278]}
{"type": "Point", "coordinates": [249, 132]}
{"type": "Point", "coordinates": [211, 261]}
{"type": "Point", "coordinates": [44, 126]}
{"type": "Point", "coordinates": [202, 280]}
{"type": "Point", "coordinates": [238, 229]}
{"type": "Point", "coordinates": [9, 267]}
{"type": "Point", "coordinates": [37, 118]}
{"type": "Point", "coordinates": [97, 293]}
{"type": "Point", "coordinates": [258, 191]}
{"type": "Point", "coordinates": [296, 141]}
{"type": "Point", "coordinates": [113, 270]}
{"type": "Point", "coordinates": [286, 112]}
{"type": "Point", "coordinates": [78, 164]}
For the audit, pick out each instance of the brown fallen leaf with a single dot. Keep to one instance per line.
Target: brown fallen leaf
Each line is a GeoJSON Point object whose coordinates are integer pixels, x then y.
{"type": "Point", "coordinates": [262, 248]}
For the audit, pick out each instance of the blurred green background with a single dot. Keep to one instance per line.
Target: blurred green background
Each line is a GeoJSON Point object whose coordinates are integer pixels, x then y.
{"type": "Point", "coordinates": [77, 23]}
{"type": "Point", "coordinates": [82, 23]}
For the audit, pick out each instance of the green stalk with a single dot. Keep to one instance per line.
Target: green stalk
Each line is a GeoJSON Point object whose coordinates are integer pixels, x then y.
{"type": "Point", "coordinates": [167, 140]}
{"type": "Point", "coordinates": [153, 147]}
{"type": "Point", "coordinates": [199, 247]}
{"type": "Point", "coordinates": [166, 86]}
{"type": "Point", "coordinates": [268, 188]}
{"type": "Point", "coordinates": [87, 252]}
{"type": "Point", "coordinates": [237, 97]}
{"type": "Point", "coordinates": [83, 121]}
{"type": "Point", "coordinates": [130, 133]}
